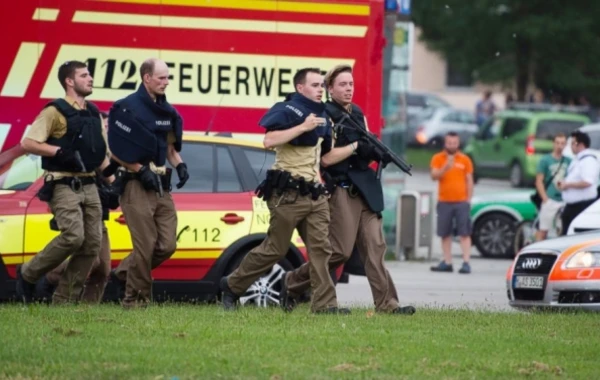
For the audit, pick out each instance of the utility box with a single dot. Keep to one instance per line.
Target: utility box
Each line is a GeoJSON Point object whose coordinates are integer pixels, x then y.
{"type": "Point", "coordinates": [414, 224]}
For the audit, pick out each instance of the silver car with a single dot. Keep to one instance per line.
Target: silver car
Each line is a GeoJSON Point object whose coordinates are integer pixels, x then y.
{"type": "Point", "coordinates": [430, 126]}
{"type": "Point", "coordinates": [557, 273]}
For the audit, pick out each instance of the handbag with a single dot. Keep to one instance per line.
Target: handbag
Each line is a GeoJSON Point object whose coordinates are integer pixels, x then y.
{"type": "Point", "coordinates": [535, 197]}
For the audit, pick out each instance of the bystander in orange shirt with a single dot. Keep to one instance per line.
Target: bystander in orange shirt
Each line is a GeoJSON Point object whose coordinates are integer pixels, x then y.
{"type": "Point", "coordinates": [453, 184]}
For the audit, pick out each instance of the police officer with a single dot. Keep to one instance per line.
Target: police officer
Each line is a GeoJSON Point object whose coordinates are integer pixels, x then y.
{"type": "Point", "coordinates": [95, 284]}
{"type": "Point", "coordinates": [294, 194]}
{"type": "Point", "coordinates": [356, 202]}
{"type": "Point", "coordinates": [69, 136]}
{"type": "Point", "coordinates": [145, 132]}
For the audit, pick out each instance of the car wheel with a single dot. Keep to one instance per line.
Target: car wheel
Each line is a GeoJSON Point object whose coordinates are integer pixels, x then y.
{"type": "Point", "coordinates": [264, 292]}
{"type": "Point", "coordinates": [516, 175]}
{"type": "Point", "coordinates": [494, 235]}
{"type": "Point", "coordinates": [524, 235]}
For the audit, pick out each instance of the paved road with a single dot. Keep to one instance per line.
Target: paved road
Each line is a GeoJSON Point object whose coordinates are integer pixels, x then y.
{"type": "Point", "coordinates": [417, 285]}
{"type": "Point", "coordinates": [484, 288]}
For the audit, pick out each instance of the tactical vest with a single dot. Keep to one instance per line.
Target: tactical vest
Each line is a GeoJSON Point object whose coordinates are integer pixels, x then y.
{"type": "Point", "coordinates": [158, 119]}
{"type": "Point", "coordinates": [345, 136]}
{"type": "Point", "coordinates": [84, 134]}
{"type": "Point", "coordinates": [292, 112]}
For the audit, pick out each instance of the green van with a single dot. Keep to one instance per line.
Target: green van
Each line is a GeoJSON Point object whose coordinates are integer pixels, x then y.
{"type": "Point", "coordinates": [511, 143]}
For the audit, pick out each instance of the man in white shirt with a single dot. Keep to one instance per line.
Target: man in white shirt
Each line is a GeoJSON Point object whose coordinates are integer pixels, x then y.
{"type": "Point", "coordinates": [580, 186]}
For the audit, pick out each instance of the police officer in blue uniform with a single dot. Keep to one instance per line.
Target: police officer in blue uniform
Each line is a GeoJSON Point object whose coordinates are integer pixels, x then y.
{"type": "Point", "coordinates": [298, 129]}
{"type": "Point", "coordinates": [145, 132]}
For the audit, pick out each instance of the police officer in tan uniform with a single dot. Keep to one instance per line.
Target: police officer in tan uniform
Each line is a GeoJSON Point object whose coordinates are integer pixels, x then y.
{"type": "Point", "coordinates": [145, 132]}
{"type": "Point", "coordinates": [355, 205]}
{"type": "Point", "coordinates": [69, 136]}
{"type": "Point", "coordinates": [95, 284]}
{"type": "Point", "coordinates": [294, 194]}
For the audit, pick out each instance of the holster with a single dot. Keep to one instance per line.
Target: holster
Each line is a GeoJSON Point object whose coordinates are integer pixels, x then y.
{"type": "Point", "coordinates": [47, 191]}
{"type": "Point", "coordinates": [278, 181]}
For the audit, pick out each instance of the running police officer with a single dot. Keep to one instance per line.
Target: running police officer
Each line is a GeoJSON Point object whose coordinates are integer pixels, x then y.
{"type": "Point", "coordinates": [294, 194]}
{"type": "Point", "coordinates": [69, 136]}
{"type": "Point", "coordinates": [95, 284]}
{"type": "Point", "coordinates": [355, 205]}
{"type": "Point", "coordinates": [145, 132]}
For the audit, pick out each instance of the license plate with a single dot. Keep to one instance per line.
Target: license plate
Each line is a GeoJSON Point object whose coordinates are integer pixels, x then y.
{"type": "Point", "coordinates": [528, 282]}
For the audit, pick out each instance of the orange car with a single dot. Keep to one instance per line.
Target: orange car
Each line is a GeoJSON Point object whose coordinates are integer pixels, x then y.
{"type": "Point", "coordinates": [557, 273]}
{"type": "Point", "coordinates": [220, 220]}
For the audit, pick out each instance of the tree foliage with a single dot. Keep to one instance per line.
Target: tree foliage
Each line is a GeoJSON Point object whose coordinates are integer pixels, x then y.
{"type": "Point", "coordinates": [550, 43]}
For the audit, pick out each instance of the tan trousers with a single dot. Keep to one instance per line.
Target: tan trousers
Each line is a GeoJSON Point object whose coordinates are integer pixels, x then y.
{"type": "Point", "coordinates": [293, 211]}
{"type": "Point", "coordinates": [352, 222]}
{"type": "Point", "coordinates": [152, 223]}
{"type": "Point", "coordinates": [79, 218]}
{"type": "Point", "coordinates": [93, 290]}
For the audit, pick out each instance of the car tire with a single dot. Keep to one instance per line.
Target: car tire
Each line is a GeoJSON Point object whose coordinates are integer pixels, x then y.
{"type": "Point", "coordinates": [264, 292]}
{"type": "Point", "coordinates": [494, 235]}
{"type": "Point", "coordinates": [516, 175]}
{"type": "Point", "coordinates": [525, 235]}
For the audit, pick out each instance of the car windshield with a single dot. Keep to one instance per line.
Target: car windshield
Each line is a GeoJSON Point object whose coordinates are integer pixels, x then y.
{"type": "Point", "coordinates": [20, 173]}
{"type": "Point", "coordinates": [547, 129]}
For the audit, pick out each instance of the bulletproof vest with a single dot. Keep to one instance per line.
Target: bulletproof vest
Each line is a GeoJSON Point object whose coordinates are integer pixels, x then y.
{"type": "Point", "coordinates": [139, 128]}
{"type": "Point", "coordinates": [354, 168]}
{"type": "Point", "coordinates": [344, 136]}
{"type": "Point", "coordinates": [84, 134]}
{"type": "Point", "coordinates": [292, 112]}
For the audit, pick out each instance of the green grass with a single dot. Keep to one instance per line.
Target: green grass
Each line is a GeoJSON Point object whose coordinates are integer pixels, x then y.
{"type": "Point", "coordinates": [185, 342]}
{"type": "Point", "coordinates": [420, 158]}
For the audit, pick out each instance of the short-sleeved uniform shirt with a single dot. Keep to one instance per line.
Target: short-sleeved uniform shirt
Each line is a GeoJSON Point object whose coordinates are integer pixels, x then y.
{"type": "Point", "coordinates": [453, 184]}
{"type": "Point", "coordinates": [51, 123]}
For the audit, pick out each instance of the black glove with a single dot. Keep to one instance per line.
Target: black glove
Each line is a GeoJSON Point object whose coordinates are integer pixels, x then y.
{"type": "Point", "coordinates": [109, 196]}
{"type": "Point", "coordinates": [364, 149]}
{"type": "Point", "coordinates": [382, 157]}
{"type": "Point", "coordinates": [183, 175]}
{"type": "Point", "coordinates": [67, 159]}
{"type": "Point", "coordinates": [149, 179]}
{"type": "Point", "coordinates": [111, 169]}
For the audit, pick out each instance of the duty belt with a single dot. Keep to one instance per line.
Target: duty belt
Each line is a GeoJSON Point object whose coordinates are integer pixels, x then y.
{"type": "Point", "coordinates": [76, 183]}
{"type": "Point", "coordinates": [165, 179]}
{"type": "Point", "coordinates": [345, 183]}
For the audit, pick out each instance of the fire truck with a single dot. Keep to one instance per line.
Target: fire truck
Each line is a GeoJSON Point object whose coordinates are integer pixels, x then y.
{"type": "Point", "coordinates": [229, 60]}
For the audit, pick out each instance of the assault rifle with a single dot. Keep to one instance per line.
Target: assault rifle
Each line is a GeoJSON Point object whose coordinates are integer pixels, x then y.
{"type": "Point", "coordinates": [378, 145]}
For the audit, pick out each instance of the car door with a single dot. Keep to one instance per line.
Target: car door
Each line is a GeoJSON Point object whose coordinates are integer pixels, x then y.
{"type": "Point", "coordinates": [19, 183]}
{"type": "Point", "coordinates": [214, 209]}
{"type": "Point", "coordinates": [514, 140]}
{"type": "Point", "coordinates": [486, 147]}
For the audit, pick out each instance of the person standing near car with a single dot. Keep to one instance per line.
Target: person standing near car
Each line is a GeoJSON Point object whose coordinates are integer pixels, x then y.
{"type": "Point", "coordinates": [355, 205]}
{"type": "Point", "coordinates": [580, 185]}
{"type": "Point", "coordinates": [454, 171]}
{"type": "Point", "coordinates": [550, 170]}
{"type": "Point", "coordinates": [297, 129]}
{"type": "Point", "coordinates": [69, 136]}
{"type": "Point", "coordinates": [145, 132]}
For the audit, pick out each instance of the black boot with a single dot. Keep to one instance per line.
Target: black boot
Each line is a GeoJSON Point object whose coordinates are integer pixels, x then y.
{"type": "Point", "coordinates": [286, 302]}
{"type": "Point", "coordinates": [25, 289]}
{"type": "Point", "coordinates": [120, 285]}
{"type": "Point", "coordinates": [228, 298]}
{"type": "Point", "coordinates": [407, 310]}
